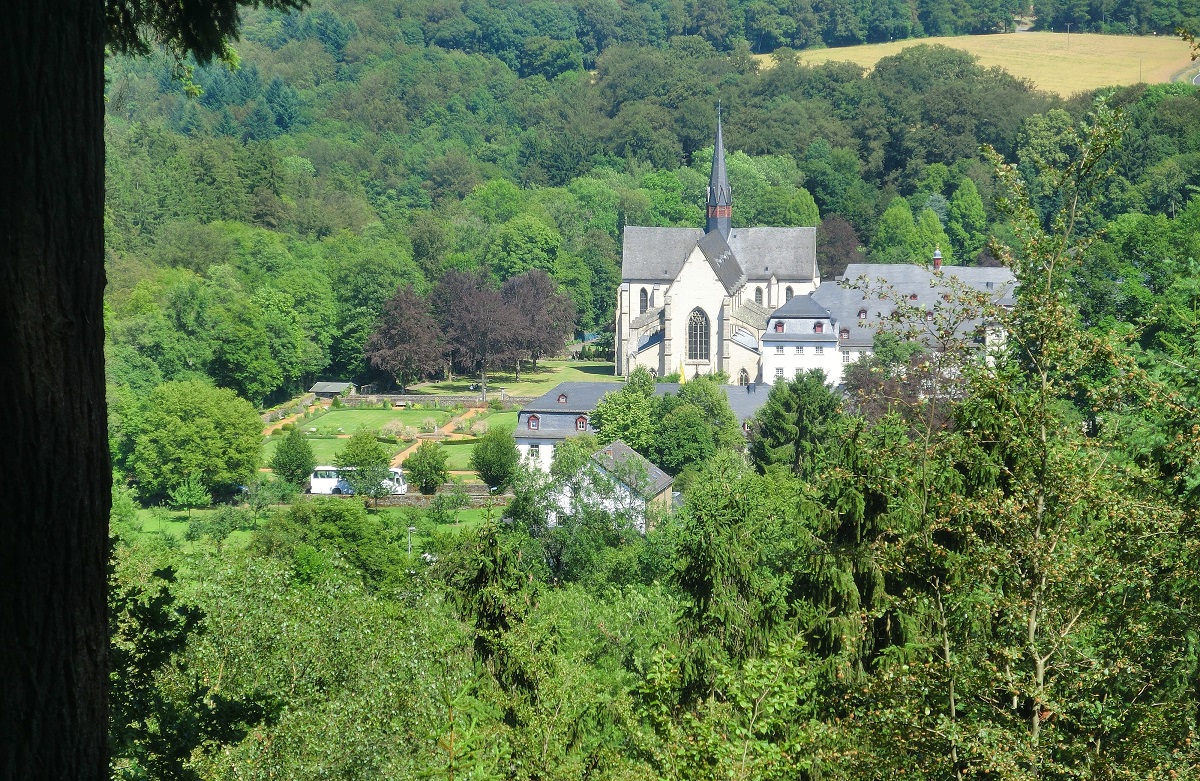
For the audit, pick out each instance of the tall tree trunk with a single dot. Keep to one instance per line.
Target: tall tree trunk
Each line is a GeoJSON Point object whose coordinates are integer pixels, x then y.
{"type": "Point", "coordinates": [55, 502]}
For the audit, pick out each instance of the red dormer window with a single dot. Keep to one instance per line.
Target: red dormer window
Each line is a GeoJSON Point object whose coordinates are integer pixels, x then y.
{"type": "Point", "coordinates": [845, 333]}
{"type": "Point", "coordinates": [533, 422]}
{"type": "Point", "coordinates": [778, 326]}
{"type": "Point", "coordinates": [912, 296]}
{"type": "Point", "coordinates": [862, 314]}
{"type": "Point", "coordinates": [818, 327]}
{"type": "Point", "coordinates": [928, 316]}
{"type": "Point", "coordinates": [581, 423]}
{"type": "Point", "coordinates": [562, 398]}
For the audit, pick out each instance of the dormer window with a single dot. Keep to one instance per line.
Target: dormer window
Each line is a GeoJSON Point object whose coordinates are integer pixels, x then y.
{"type": "Point", "coordinates": [912, 296]}
{"type": "Point", "coordinates": [928, 316]}
{"type": "Point", "coordinates": [562, 398]}
{"type": "Point", "coordinates": [990, 285]}
{"type": "Point", "coordinates": [778, 326]}
{"type": "Point", "coordinates": [862, 314]}
{"type": "Point", "coordinates": [534, 422]}
{"type": "Point", "coordinates": [845, 333]}
{"type": "Point", "coordinates": [818, 327]}
{"type": "Point", "coordinates": [581, 423]}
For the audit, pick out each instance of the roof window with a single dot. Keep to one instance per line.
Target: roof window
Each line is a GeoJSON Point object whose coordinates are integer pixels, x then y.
{"type": "Point", "coordinates": [534, 422]}
{"type": "Point", "coordinates": [562, 398]}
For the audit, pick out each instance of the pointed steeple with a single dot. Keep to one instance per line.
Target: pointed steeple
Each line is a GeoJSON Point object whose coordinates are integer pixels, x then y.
{"type": "Point", "coordinates": [720, 196]}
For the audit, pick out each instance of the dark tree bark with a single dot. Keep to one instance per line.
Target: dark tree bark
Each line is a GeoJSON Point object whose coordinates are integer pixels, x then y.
{"type": "Point", "coordinates": [54, 507]}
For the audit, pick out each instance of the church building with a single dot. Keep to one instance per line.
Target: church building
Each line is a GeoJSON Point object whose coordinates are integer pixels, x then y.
{"type": "Point", "coordinates": [698, 301]}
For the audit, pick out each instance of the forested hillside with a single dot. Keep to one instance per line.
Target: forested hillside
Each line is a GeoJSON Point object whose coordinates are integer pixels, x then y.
{"type": "Point", "coordinates": [960, 568]}
{"type": "Point", "coordinates": [258, 218]}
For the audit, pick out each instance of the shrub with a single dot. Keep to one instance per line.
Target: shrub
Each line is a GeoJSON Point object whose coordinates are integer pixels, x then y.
{"type": "Point", "coordinates": [479, 428]}
{"type": "Point", "coordinates": [286, 427]}
{"type": "Point", "coordinates": [293, 460]}
{"type": "Point", "coordinates": [429, 425]}
{"type": "Point", "coordinates": [393, 428]}
{"type": "Point", "coordinates": [495, 458]}
{"type": "Point", "coordinates": [427, 466]}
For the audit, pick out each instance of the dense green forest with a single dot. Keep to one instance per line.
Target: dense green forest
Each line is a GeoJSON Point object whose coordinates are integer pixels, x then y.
{"type": "Point", "coordinates": [255, 230]}
{"type": "Point", "coordinates": [961, 568]}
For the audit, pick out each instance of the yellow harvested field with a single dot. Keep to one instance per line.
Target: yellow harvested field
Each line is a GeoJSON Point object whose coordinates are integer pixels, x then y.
{"type": "Point", "coordinates": [1055, 62]}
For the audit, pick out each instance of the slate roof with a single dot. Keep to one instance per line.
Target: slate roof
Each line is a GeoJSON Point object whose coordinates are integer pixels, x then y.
{"type": "Point", "coordinates": [582, 398]}
{"type": "Point", "coordinates": [745, 400]}
{"type": "Point", "coordinates": [647, 342]}
{"type": "Point", "coordinates": [723, 261]}
{"type": "Point", "coordinates": [801, 307]}
{"type": "Point", "coordinates": [613, 457]}
{"type": "Point", "coordinates": [656, 255]}
{"type": "Point", "coordinates": [785, 253]}
{"type": "Point", "coordinates": [753, 314]}
{"type": "Point", "coordinates": [860, 285]}
{"type": "Point", "coordinates": [745, 339]}
{"type": "Point", "coordinates": [331, 387]}
{"type": "Point", "coordinates": [647, 317]}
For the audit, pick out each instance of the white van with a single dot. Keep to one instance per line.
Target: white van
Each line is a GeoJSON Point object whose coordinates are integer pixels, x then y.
{"type": "Point", "coordinates": [331, 480]}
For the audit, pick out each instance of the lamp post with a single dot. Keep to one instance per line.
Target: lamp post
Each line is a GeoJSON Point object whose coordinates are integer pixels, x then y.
{"type": "Point", "coordinates": [411, 529]}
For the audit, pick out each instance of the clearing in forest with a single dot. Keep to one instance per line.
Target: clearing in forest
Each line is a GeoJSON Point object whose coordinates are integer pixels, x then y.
{"type": "Point", "coordinates": [1054, 62]}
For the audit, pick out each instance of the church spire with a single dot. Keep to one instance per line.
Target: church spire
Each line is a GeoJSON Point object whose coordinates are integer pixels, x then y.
{"type": "Point", "coordinates": [720, 197]}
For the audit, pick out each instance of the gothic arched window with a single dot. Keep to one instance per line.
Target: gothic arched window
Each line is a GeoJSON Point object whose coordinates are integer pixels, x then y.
{"type": "Point", "coordinates": [697, 340]}
{"type": "Point", "coordinates": [643, 302]}
{"type": "Point", "coordinates": [758, 295]}
{"type": "Point", "coordinates": [743, 377]}
{"type": "Point", "coordinates": [787, 294]}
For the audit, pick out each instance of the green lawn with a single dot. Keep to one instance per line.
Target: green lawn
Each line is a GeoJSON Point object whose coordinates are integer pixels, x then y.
{"type": "Point", "coordinates": [549, 374]}
{"type": "Point", "coordinates": [460, 453]}
{"type": "Point", "coordinates": [497, 420]}
{"type": "Point", "coordinates": [324, 449]}
{"type": "Point", "coordinates": [348, 421]}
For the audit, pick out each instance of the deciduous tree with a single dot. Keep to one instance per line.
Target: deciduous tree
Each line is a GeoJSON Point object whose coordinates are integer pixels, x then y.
{"type": "Point", "coordinates": [407, 342]}
{"type": "Point", "coordinates": [427, 466]}
{"type": "Point", "coordinates": [545, 315]}
{"type": "Point", "coordinates": [293, 459]}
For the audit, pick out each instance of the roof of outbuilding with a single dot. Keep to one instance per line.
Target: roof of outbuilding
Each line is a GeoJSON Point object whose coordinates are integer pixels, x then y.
{"type": "Point", "coordinates": [582, 397]}
{"type": "Point", "coordinates": [616, 458]}
{"type": "Point", "coordinates": [331, 387]}
{"type": "Point", "coordinates": [801, 307]}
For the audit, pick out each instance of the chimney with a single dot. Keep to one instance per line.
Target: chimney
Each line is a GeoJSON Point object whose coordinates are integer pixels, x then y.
{"type": "Point", "coordinates": [937, 259]}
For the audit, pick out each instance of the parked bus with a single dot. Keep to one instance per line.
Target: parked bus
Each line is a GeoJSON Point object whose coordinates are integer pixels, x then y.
{"type": "Point", "coordinates": [332, 480]}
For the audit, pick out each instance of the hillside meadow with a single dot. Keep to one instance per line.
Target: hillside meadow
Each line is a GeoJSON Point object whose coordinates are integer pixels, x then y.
{"type": "Point", "coordinates": [1054, 62]}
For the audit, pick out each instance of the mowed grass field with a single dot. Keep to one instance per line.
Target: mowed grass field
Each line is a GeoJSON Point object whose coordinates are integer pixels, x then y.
{"type": "Point", "coordinates": [351, 420]}
{"type": "Point", "coordinates": [1054, 62]}
{"type": "Point", "coordinates": [548, 374]}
